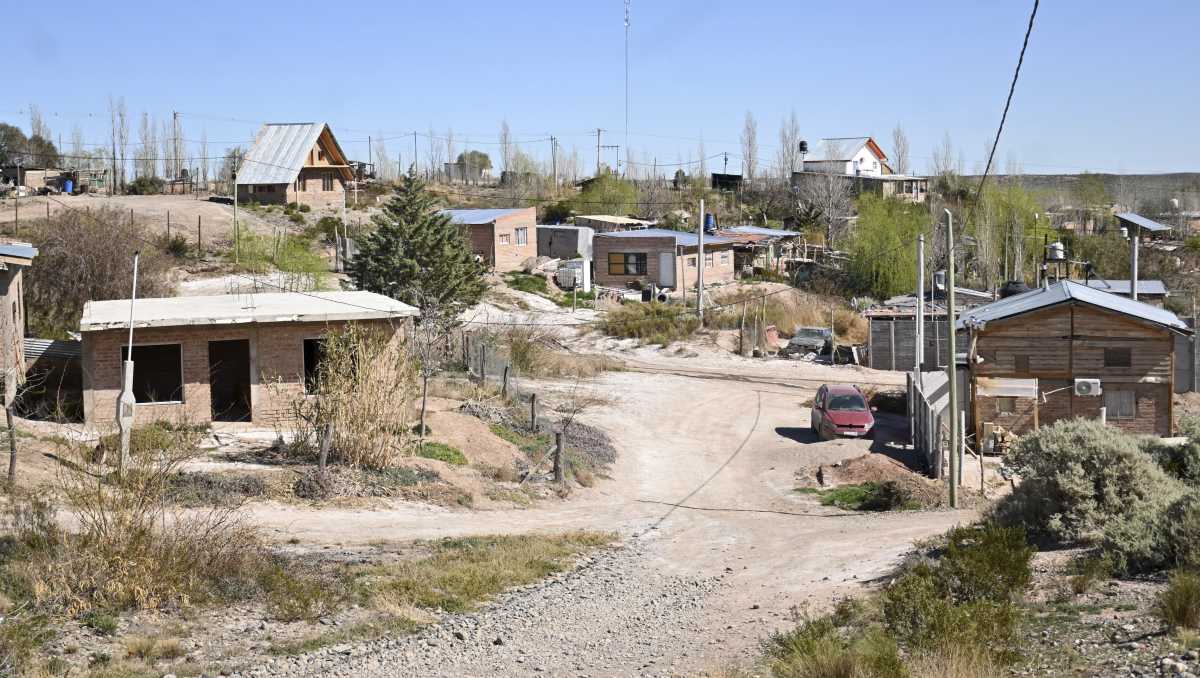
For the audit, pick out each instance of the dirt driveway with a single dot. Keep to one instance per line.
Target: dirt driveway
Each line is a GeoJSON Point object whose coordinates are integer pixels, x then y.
{"type": "Point", "coordinates": [703, 490]}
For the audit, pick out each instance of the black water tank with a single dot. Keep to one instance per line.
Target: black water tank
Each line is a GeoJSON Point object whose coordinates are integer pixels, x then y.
{"type": "Point", "coordinates": [1012, 287]}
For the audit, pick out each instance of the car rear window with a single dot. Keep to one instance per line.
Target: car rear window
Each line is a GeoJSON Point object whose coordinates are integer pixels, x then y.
{"type": "Point", "coordinates": [847, 401]}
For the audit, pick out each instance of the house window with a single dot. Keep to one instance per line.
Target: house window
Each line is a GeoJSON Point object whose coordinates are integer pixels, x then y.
{"type": "Point", "coordinates": [314, 353]}
{"type": "Point", "coordinates": [725, 257]}
{"type": "Point", "coordinates": [522, 236]}
{"type": "Point", "coordinates": [320, 155]}
{"type": "Point", "coordinates": [304, 183]}
{"type": "Point", "coordinates": [327, 181]}
{"type": "Point", "coordinates": [1021, 364]}
{"type": "Point", "coordinates": [1118, 357]}
{"type": "Point", "coordinates": [157, 373]}
{"type": "Point", "coordinates": [626, 263]}
{"type": "Point", "coordinates": [505, 239]}
{"type": "Point", "coordinates": [691, 262]}
{"type": "Point", "coordinates": [708, 260]}
{"type": "Point", "coordinates": [1120, 404]}
{"type": "Point", "coordinates": [1006, 405]}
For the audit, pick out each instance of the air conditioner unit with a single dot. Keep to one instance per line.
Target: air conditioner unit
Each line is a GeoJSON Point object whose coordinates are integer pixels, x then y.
{"type": "Point", "coordinates": [1088, 387]}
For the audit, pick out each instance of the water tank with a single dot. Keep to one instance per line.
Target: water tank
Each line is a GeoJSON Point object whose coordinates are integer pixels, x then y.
{"type": "Point", "coordinates": [1056, 251]}
{"type": "Point", "coordinates": [710, 221]}
{"type": "Point", "coordinates": [939, 280]}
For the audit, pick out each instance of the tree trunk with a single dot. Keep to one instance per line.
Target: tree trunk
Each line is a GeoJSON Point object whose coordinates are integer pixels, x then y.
{"type": "Point", "coordinates": [12, 449]}
{"type": "Point", "coordinates": [424, 399]}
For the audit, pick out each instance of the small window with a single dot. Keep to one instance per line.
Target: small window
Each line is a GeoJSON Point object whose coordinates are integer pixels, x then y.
{"type": "Point", "coordinates": [314, 353]}
{"type": "Point", "coordinates": [327, 181]}
{"type": "Point", "coordinates": [505, 239]}
{"type": "Point", "coordinates": [320, 155]}
{"type": "Point", "coordinates": [725, 257]}
{"type": "Point", "coordinates": [522, 236]}
{"type": "Point", "coordinates": [157, 373]}
{"type": "Point", "coordinates": [1120, 404]}
{"type": "Point", "coordinates": [1021, 364]}
{"type": "Point", "coordinates": [626, 263]}
{"type": "Point", "coordinates": [1006, 405]}
{"type": "Point", "coordinates": [691, 262]}
{"type": "Point", "coordinates": [1118, 357]}
{"type": "Point", "coordinates": [708, 260]}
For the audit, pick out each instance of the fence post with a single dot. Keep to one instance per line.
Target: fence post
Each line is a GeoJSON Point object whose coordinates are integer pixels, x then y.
{"type": "Point", "coordinates": [483, 363]}
{"type": "Point", "coordinates": [533, 412]}
{"type": "Point", "coordinates": [326, 443]}
{"type": "Point", "coordinates": [12, 448]}
{"type": "Point", "coordinates": [504, 384]}
{"type": "Point", "coordinates": [199, 242]}
{"type": "Point", "coordinates": [558, 453]}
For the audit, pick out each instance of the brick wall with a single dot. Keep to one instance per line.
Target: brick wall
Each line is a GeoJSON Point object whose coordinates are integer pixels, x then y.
{"type": "Point", "coordinates": [651, 247]}
{"type": "Point", "coordinates": [12, 320]}
{"type": "Point", "coordinates": [509, 255]}
{"type": "Point", "coordinates": [276, 358]}
{"type": "Point", "coordinates": [720, 270]}
{"type": "Point", "coordinates": [482, 241]}
{"type": "Point", "coordinates": [307, 189]}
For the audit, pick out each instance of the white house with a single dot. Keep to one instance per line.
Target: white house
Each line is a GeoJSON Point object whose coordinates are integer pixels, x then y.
{"type": "Point", "coordinates": [853, 156]}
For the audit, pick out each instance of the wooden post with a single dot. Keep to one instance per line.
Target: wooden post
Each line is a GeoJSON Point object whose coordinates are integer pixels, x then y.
{"type": "Point", "coordinates": [483, 363]}
{"type": "Point", "coordinates": [326, 443]}
{"type": "Point", "coordinates": [199, 242]}
{"type": "Point", "coordinates": [12, 448]}
{"type": "Point", "coordinates": [533, 413]}
{"type": "Point", "coordinates": [504, 384]}
{"type": "Point", "coordinates": [558, 454]}
{"type": "Point", "coordinates": [168, 226]}
{"type": "Point", "coordinates": [832, 338]}
{"type": "Point", "coordinates": [742, 333]}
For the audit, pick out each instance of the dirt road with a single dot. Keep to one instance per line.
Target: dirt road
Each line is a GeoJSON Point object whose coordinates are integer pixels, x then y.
{"type": "Point", "coordinates": [720, 547]}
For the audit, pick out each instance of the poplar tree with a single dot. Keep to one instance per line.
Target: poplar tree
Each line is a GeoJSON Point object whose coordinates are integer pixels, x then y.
{"type": "Point", "coordinates": [416, 254]}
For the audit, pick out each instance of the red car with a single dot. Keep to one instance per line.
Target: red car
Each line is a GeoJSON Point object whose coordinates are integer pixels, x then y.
{"type": "Point", "coordinates": [841, 410]}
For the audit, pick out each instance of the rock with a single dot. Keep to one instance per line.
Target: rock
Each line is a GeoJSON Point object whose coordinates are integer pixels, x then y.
{"type": "Point", "coordinates": [498, 641]}
{"type": "Point", "coordinates": [459, 635]}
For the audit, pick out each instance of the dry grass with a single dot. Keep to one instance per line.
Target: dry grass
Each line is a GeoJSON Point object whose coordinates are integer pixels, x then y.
{"type": "Point", "coordinates": [535, 352]}
{"type": "Point", "coordinates": [364, 389]}
{"type": "Point", "coordinates": [955, 662]}
{"type": "Point", "coordinates": [651, 323]}
{"type": "Point", "coordinates": [787, 311]}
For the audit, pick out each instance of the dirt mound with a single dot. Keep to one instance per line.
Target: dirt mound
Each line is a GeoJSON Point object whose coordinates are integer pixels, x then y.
{"type": "Point", "coordinates": [880, 468]}
{"type": "Point", "coordinates": [473, 438]}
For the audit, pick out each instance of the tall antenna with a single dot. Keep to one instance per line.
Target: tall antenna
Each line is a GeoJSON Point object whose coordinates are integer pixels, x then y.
{"type": "Point", "coordinates": [626, 169]}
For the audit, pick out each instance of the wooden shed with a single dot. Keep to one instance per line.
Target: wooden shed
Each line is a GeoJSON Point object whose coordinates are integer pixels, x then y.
{"type": "Point", "coordinates": [1066, 351]}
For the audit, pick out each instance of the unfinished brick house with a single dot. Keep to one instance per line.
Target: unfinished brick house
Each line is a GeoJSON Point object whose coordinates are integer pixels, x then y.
{"type": "Point", "coordinates": [660, 257]}
{"type": "Point", "coordinates": [1067, 351]}
{"type": "Point", "coordinates": [502, 238]}
{"type": "Point", "coordinates": [295, 162]}
{"type": "Point", "coordinates": [210, 358]}
{"type": "Point", "coordinates": [14, 259]}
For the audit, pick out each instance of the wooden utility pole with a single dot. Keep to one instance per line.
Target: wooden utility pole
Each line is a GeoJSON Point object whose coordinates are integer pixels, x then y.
{"type": "Point", "coordinates": [951, 367]}
{"type": "Point", "coordinates": [598, 131]}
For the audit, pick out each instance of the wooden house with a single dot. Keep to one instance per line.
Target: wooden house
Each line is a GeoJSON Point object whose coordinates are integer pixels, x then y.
{"type": "Point", "coordinates": [1068, 350]}
{"type": "Point", "coordinates": [295, 163]}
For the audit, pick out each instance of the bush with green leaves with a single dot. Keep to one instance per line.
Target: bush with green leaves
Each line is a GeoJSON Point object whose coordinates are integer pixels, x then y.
{"type": "Point", "coordinates": [1080, 479]}
{"type": "Point", "coordinates": [145, 185]}
{"type": "Point", "coordinates": [1179, 604]}
{"type": "Point", "coordinates": [821, 646]}
{"type": "Point", "coordinates": [1179, 461]}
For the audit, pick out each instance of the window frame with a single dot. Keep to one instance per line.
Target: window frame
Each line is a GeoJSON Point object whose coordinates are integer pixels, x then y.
{"type": "Point", "coordinates": [505, 239]}
{"type": "Point", "coordinates": [1118, 357]}
{"type": "Point", "coordinates": [521, 235]}
{"type": "Point", "coordinates": [628, 261]}
{"type": "Point", "coordinates": [710, 260]}
{"type": "Point", "coordinates": [308, 377]}
{"type": "Point", "coordinates": [327, 181]}
{"type": "Point", "coordinates": [1006, 405]}
{"type": "Point", "coordinates": [123, 352]}
{"type": "Point", "coordinates": [1115, 413]}
{"type": "Point", "coordinates": [1020, 358]}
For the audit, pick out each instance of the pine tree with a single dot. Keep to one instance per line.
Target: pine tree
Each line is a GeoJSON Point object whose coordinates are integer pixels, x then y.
{"type": "Point", "coordinates": [416, 254]}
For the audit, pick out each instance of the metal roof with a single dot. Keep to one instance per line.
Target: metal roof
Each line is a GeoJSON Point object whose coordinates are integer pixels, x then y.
{"type": "Point", "coordinates": [1142, 222]}
{"type": "Point", "coordinates": [613, 219]}
{"type": "Point", "coordinates": [279, 152]}
{"type": "Point", "coordinates": [51, 348]}
{"type": "Point", "coordinates": [759, 230]}
{"type": "Point", "coordinates": [19, 250]}
{"type": "Point", "coordinates": [1122, 286]}
{"type": "Point", "coordinates": [1062, 292]}
{"type": "Point", "coordinates": [832, 150]}
{"type": "Point", "coordinates": [232, 309]}
{"type": "Point", "coordinates": [480, 216]}
{"type": "Point", "coordinates": [682, 238]}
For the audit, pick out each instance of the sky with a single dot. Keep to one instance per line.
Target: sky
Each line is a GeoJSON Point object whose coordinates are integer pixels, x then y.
{"type": "Point", "coordinates": [1106, 86]}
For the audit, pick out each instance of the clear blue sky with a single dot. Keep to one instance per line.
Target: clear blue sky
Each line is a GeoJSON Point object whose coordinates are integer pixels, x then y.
{"type": "Point", "coordinates": [1106, 86]}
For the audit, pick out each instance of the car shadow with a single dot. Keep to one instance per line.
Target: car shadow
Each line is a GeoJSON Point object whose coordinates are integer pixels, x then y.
{"type": "Point", "coordinates": [803, 435]}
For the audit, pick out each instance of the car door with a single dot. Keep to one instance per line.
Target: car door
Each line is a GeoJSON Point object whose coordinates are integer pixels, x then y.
{"type": "Point", "coordinates": [818, 410]}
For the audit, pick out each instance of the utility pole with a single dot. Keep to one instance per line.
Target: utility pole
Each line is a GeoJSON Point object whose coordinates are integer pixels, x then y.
{"type": "Point", "coordinates": [174, 145]}
{"type": "Point", "coordinates": [951, 366]}
{"type": "Point", "coordinates": [17, 201]}
{"type": "Point", "coordinates": [700, 264]}
{"type": "Point", "coordinates": [919, 352]}
{"type": "Point", "coordinates": [554, 160]}
{"type": "Point", "coordinates": [236, 245]}
{"type": "Point", "coordinates": [626, 87]}
{"type": "Point", "coordinates": [370, 160]}
{"type": "Point", "coordinates": [598, 131]}
{"type": "Point", "coordinates": [725, 167]}
{"type": "Point", "coordinates": [1134, 232]}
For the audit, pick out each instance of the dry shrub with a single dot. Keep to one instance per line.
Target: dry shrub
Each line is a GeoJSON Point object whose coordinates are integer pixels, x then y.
{"type": "Point", "coordinates": [1179, 604]}
{"type": "Point", "coordinates": [787, 311]}
{"type": "Point", "coordinates": [651, 323]}
{"type": "Point", "coordinates": [87, 257]}
{"type": "Point", "coordinates": [364, 388]}
{"type": "Point", "coordinates": [532, 351]}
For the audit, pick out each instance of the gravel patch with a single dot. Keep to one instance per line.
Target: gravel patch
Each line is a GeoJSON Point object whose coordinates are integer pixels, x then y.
{"type": "Point", "coordinates": [616, 614]}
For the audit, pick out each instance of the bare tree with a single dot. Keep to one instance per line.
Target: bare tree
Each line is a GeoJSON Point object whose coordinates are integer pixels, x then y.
{"type": "Point", "coordinates": [204, 158]}
{"type": "Point", "coordinates": [119, 124]}
{"type": "Point", "coordinates": [143, 157]}
{"type": "Point", "coordinates": [826, 195]}
{"type": "Point", "coordinates": [749, 147]}
{"type": "Point", "coordinates": [450, 154]}
{"type": "Point", "coordinates": [900, 150]}
{"type": "Point", "coordinates": [944, 162]}
{"type": "Point", "coordinates": [788, 155]}
{"type": "Point", "coordinates": [429, 346]}
{"type": "Point", "coordinates": [383, 165]}
{"type": "Point", "coordinates": [77, 150]}
{"type": "Point", "coordinates": [37, 125]}
{"type": "Point", "coordinates": [168, 150]}
{"type": "Point", "coordinates": [702, 163]}
{"type": "Point", "coordinates": [435, 153]}
{"type": "Point", "coordinates": [570, 166]}
{"type": "Point", "coordinates": [177, 147]}
{"type": "Point", "coordinates": [505, 146]}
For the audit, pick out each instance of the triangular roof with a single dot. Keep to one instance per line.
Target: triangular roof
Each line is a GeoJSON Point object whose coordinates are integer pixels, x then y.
{"type": "Point", "coordinates": [280, 150]}
{"type": "Point", "coordinates": [1065, 291]}
{"type": "Point", "coordinates": [843, 149]}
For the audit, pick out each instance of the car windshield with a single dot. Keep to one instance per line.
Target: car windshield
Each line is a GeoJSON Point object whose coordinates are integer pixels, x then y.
{"type": "Point", "coordinates": [809, 334]}
{"type": "Point", "coordinates": [848, 401]}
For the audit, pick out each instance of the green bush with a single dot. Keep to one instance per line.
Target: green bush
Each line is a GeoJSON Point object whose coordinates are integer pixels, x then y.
{"type": "Point", "coordinates": [296, 218]}
{"type": "Point", "coordinates": [145, 186]}
{"type": "Point", "coordinates": [176, 245]}
{"type": "Point", "coordinates": [886, 496]}
{"type": "Point", "coordinates": [294, 594]}
{"type": "Point", "coordinates": [652, 323]}
{"type": "Point", "coordinates": [1180, 461]}
{"type": "Point", "coordinates": [991, 563]}
{"type": "Point", "coordinates": [1150, 541]}
{"type": "Point", "coordinates": [1080, 478]}
{"type": "Point", "coordinates": [305, 208]}
{"type": "Point", "coordinates": [1179, 604]}
{"type": "Point", "coordinates": [327, 228]}
{"type": "Point", "coordinates": [441, 452]}
{"type": "Point", "coordinates": [818, 648]}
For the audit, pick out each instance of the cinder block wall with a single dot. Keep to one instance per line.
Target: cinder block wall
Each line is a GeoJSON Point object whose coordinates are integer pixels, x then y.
{"type": "Point", "coordinates": [509, 257]}
{"type": "Point", "coordinates": [276, 358]}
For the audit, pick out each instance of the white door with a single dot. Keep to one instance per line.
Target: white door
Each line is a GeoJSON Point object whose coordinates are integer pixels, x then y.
{"type": "Point", "coordinates": [666, 269]}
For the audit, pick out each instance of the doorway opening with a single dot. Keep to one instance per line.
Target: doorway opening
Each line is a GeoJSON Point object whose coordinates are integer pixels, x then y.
{"type": "Point", "coordinates": [229, 379]}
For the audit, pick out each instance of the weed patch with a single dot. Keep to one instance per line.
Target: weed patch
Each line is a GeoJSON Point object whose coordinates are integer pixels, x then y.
{"type": "Point", "coordinates": [885, 496]}
{"type": "Point", "coordinates": [442, 452]}
{"type": "Point", "coordinates": [1179, 604]}
{"type": "Point", "coordinates": [651, 323]}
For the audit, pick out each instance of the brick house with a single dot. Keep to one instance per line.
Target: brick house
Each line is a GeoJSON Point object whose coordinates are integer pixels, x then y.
{"type": "Point", "coordinates": [502, 238]}
{"type": "Point", "coordinates": [1066, 351]}
{"type": "Point", "coordinates": [14, 259]}
{"type": "Point", "coordinates": [660, 257]}
{"type": "Point", "coordinates": [295, 162]}
{"type": "Point", "coordinates": [209, 358]}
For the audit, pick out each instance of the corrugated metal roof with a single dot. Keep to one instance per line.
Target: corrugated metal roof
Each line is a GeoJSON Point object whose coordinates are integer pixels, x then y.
{"type": "Point", "coordinates": [759, 230]}
{"type": "Point", "coordinates": [230, 309]}
{"type": "Point", "coordinates": [278, 153]}
{"type": "Point", "coordinates": [19, 250]}
{"type": "Point", "coordinates": [480, 216]}
{"type": "Point", "coordinates": [1142, 222]}
{"type": "Point", "coordinates": [842, 148]}
{"type": "Point", "coordinates": [681, 238]}
{"type": "Point", "coordinates": [1122, 286]}
{"type": "Point", "coordinates": [51, 348]}
{"type": "Point", "coordinates": [1065, 291]}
